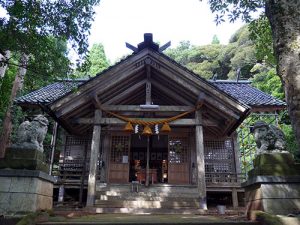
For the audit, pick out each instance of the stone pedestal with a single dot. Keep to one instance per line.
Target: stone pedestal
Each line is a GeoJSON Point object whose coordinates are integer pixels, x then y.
{"type": "Point", "coordinates": [16, 158]}
{"type": "Point", "coordinates": [273, 194]}
{"type": "Point", "coordinates": [23, 191]}
{"type": "Point", "coordinates": [274, 164]}
{"type": "Point", "coordinates": [273, 185]}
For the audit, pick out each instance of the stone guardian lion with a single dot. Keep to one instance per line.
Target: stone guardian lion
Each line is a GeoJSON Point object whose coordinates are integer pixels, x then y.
{"type": "Point", "coordinates": [268, 138]}
{"type": "Point", "coordinates": [30, 135]}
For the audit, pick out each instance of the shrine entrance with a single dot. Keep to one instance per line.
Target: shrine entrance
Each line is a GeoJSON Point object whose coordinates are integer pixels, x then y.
{"type": "Point", "coordinates": [149, 159]}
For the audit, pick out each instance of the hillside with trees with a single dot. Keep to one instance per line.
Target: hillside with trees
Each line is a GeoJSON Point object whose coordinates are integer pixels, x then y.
{"type": "Point", "coordinates": [247, 56]}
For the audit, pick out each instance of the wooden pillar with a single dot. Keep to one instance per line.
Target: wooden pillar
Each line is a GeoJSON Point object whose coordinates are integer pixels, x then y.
{"type": "Point", "coordinates": [94, 159]}
{"type": "Point", "coordinates": [147, 165]}
{"type": "Point", "coordinates": [105, 154]}
{"type": "Point", "coordinates": [235, 201]}
{"type": "Point", "coordinates": [53, 145]}
{"type": "Point", "coordinates": [83, 172]}
{"type": "Point", "coordinates": [237, 156]}
{"type": "Point", "coordinates": [200, 160]}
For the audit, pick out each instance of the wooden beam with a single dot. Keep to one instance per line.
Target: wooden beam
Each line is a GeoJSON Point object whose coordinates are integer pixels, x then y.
{"type": "Point", "coordinates": [94, 160]}
{"type": "Point", "coordinates": [137, 108]}
{"type": "Point", "coordinates": [121, 87]}
{"type": "Point", "coordinates": [148, 85]}
{"type": "Point", "coordinates": [74, 100]}
{"type": "Point", "coordinates": [125, 69]}
{"type": "Point", "coordinates": [235, 200]}
{"type": "Point", "coordinates": [169, 92]}
{"type": "Point", "coordinates": [126, 92]}
{"type": "Point", "coordinates": [176, 87]}
{"type": "Point", "coordinates": [116, 121]}
{"type": "Point", "coordinates": [223, 109]}
{"type": "Point", "coordinates": [177, 71]}
{"type": "Point", "coordinates": [200, 161]}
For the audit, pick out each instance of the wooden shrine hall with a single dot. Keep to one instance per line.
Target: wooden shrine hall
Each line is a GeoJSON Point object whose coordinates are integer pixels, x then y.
{"type": "Point", "coordinates": [150, 122]}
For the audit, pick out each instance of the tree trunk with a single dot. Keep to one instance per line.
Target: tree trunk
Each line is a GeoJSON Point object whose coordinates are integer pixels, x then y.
{"type": "Point", "coordinates": [285, 23]}
{"type": "Point", "coordinates": [4, 58]}
{"type": "Point", "coordinates": [7, 123]}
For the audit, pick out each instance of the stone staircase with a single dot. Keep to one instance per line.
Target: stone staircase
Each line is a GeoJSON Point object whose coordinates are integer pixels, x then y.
{"type": "Point", "coordinates": [153, 199]}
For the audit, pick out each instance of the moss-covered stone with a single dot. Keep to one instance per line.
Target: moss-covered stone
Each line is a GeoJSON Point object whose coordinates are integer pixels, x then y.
{"type": "Point", "coordinates": [273, 158]}
{"type": "Point", "coordinates": [274, 164]}
{"type": "Point", "coordinates": [267, 219]}
{"type": "Point", "coordinates": [24, 159]}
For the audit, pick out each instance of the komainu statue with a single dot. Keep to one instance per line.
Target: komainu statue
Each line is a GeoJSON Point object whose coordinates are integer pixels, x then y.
{"type": "Point", "coordinates": [268, 138]}
{"type": "Point", "coordinates": [31, 135]}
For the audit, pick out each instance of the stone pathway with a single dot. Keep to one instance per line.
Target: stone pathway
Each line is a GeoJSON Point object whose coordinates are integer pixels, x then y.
{"type": "Point", "coordinates": [110, 219]}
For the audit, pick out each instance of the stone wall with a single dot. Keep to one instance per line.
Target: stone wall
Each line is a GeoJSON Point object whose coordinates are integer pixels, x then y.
{"type": "Point", "coordinates": [23, 191]}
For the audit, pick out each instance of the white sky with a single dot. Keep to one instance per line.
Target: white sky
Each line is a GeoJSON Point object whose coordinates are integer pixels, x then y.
{"type": "Point", "coordinates": [120, 21]}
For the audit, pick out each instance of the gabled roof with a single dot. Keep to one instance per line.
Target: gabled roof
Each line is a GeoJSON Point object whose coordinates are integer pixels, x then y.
{"type": "Point", "coordinates": [241, 91]}
{"type": "Point", "coordinates": [126, 82]}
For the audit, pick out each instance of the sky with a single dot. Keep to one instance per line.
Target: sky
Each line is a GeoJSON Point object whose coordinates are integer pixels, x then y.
{"type": "Point", "coordinates": [120, 21]}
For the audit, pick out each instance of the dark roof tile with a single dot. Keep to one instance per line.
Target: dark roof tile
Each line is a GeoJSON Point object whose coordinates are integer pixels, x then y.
{"type": "Point", "coordinates": [48, 93]}
{"type": "Point", "coordinates": [244, 92]}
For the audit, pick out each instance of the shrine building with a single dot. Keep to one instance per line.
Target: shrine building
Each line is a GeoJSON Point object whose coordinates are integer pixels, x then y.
{"type": "Point", "coordinates": [148, 125]}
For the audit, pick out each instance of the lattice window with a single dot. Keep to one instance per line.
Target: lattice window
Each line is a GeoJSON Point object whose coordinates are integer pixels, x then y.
{"type": "Point", "coordinates": [74, 149]}
{"type": "Point", "coordinates": [119, 148]}
{"type": "Point", "coordinates": [178, 149]}
{"type": "Point", "coordinates": [219, 156]}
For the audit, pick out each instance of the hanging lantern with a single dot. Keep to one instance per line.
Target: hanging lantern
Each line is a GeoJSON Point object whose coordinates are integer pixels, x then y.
{"type": "Point", "coordinates": [128, 127]}
{"type": "Point", "coordinates": [147, 131]}
{"type": "Point", "coordinates": [165, 128]}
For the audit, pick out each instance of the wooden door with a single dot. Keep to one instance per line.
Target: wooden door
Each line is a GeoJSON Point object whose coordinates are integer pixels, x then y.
{"type": "Point", "coordinates": [178, 169]}
{"type": "Point", "coordinates": [119, 159]}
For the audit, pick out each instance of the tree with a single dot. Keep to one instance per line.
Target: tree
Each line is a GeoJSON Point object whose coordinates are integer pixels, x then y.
{"type": "Point", "coordinates": [215, 40]}
{"type": "Point", "coordinates": [283, 16]}
{"type": "Point", "coordinates": [27, 30]}
{"type": "Point", "coordinates": [96, 62]}
{"type": "Point", "coordinates": [218, 61]}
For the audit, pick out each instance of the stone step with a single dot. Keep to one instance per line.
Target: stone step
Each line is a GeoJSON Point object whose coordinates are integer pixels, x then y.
{"type": "Point", "coordinates": [166, 189]}
{"type": "Point", "coordinates": [146, 194]}
{"type": "Point", "coordinates": [155, 223]}
{"type": "Point", "coordinates": [111, 216]}
{"type": "Point", "coordinates": [135, 204]}
{"type": "Point", "coordinates": [154, 211]}
{"type": "Point", "coordinates": [130, 196]}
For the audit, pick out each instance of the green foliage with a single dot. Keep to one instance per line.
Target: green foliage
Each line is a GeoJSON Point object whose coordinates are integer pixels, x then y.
{"type": "Point", "coordinates": [17, 116]}
{"type": "Point", "coordinates": [96, 62]}
{"type": "Point", "coordinates": [215, 40]}
{"type": "Point", "coordinates": [234, 9]}
{"type": "Point", "coordinates": [181, 53]}
{"type": "Point", "coordinates": [5, 88]}
{"type": "Point", "coordinates": [29, 23]}
{"type": "Point", "coordinates": [33, 218]}
{"type": "Point", "coordinates": [267, 80]}
{"type": "Point", "coordinates": [267, 219]}
{"type": "Point", "coordinates": [41, 30]}
{"type": "Point", "coordinates": [98, 59]}
{"type": "Point", "coordinates": [47, 66]}
{"type": "Point", "coordinates": [223, 60]}
{"type": "Point", "coordinates": [261, 34]}
{"type": "Point", "coordinates": [291, 143]}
